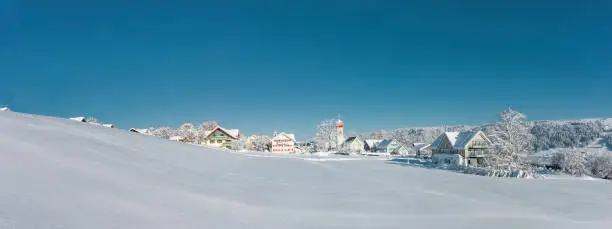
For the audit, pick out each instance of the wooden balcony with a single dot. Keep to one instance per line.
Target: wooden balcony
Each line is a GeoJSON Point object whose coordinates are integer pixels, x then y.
{"type": "Point", "coordinates": [479, 152]}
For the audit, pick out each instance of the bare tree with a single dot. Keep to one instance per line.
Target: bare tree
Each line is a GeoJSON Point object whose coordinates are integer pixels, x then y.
{"type": "Point", "coordinates": [326, 137]}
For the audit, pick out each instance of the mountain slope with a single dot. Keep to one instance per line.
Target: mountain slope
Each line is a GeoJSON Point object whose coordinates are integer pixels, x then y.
{"type": "Point", "coordinates": [58, 173]}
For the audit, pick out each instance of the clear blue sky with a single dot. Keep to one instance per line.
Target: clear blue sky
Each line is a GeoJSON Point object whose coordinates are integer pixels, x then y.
{"type": "Point", "coordinates": [285, 65]}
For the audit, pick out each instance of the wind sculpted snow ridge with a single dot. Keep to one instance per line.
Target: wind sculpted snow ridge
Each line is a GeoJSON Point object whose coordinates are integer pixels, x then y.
{"type": "Point", "coordinates": [57, 173]}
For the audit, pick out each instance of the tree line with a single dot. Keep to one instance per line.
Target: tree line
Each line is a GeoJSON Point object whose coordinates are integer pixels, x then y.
{"type": "Point", "coordinates": [188, 130]}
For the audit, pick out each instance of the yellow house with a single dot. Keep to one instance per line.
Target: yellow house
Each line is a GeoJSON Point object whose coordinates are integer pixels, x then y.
{"type": "Point", "coordinates": [220, 137]}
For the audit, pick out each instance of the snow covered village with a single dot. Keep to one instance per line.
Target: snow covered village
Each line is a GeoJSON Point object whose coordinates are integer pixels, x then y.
{"type": "Point", "coordinates": [513, 147]}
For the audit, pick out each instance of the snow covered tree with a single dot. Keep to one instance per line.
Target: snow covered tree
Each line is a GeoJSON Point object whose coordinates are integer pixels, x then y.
{"type": "Point", "coordinates": [208, 125]}
{"type": "Point", "coordinates": [566, 134]}
{"type": "Point", "coordinates": [326, 137]}
{"type": "Point", "coordinates": [512, 141]}
{"type": "Point", "coordinates": [163, 132]}
{"type": "Point", "coordinates": [571, 161]}
{"type": "Point", "coordinates": [260, 142]}
{"type": "Point", "coordinates": [188, 131]}
{"type": "Point", "coordinates": [600, 165]}
{"type": "Point", "coordinates": [403, 136]}
{"type": "Point", "coordinates": [187, 126]}
{"type": "Point", "coordinates": [239, 144]}
{"type": "Point", "coordinates": [378, 135]}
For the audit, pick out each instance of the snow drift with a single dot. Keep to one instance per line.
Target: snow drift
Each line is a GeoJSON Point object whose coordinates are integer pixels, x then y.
{"type": "Point", "coordinates": [57, 173]}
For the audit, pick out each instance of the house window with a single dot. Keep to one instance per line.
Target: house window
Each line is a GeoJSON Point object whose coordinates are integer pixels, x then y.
{"type": "Point", "coordinates": [219, 141]}
{"type": "Point", "coordinates": [211, 141]}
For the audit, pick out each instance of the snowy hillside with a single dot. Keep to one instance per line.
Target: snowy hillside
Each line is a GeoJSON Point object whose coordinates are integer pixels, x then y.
{"type": "Point", "coordinates": [57, 173]}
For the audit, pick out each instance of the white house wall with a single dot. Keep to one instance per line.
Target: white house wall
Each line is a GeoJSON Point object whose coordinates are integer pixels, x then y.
{"type": "Point", "coordinates": [283, 145]}
{"type": "Point", "coordinates": [453, 159]}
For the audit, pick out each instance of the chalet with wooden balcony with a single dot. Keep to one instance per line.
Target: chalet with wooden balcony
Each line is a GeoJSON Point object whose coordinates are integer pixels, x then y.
{"type": "Point", "coordinates": [221, 137]}
{"type": "Point", "coordinates": [466, 148]}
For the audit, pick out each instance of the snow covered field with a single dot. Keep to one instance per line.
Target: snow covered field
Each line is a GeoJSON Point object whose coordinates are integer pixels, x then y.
{"type": "Point", "coordinates": [58, 173]}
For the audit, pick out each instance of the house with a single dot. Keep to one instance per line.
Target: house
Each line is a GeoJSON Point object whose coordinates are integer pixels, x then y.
{"type": "Point", "coordinates": [370, 144]}
{"type": "Point", "coordinates": [392, 147]}
{"type": "Point", "coordinates": [421, 149]}
{"type": "Point", "coordinates": [466, 148]}
{"type": "Point", "coordinates": [283, 143]}
{"type": "Point", "coordinates": [141, 131]}
{"type": "Point", "coordinates": [352, 145]}
{"type": "Point", "coordinates": [79, 119]}
{"type": "Point", "coordinates": [221, 137]}
{"type": "Point", "coordinates": [108, 125]}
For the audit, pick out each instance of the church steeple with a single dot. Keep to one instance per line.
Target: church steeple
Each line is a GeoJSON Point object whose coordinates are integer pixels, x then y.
{"type": "Point", "coordinates": [340, 134]}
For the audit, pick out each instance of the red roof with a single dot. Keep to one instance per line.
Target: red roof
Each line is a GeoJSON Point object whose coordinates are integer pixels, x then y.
{"type": "Point", "coordinates": [222, 130]}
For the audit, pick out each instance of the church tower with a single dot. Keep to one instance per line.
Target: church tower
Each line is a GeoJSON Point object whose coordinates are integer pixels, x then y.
{"type": "Point", "coordinates": [340, 135]}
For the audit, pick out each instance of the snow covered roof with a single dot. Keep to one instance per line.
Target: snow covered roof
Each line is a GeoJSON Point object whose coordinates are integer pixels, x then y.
{"type": "Point", "coordinates": [422, 146]}
{"type": "Point", "coordinates": [457, 139]}
{"type": "Point", "coordinates": [283, 136]}
{"type": "Point", "coordinates": [142, 131]}
{"type": "Point", "coordinates": [463, 138]}
{"type": "Point", "coordinates": [452, 137]}
{"type": "Point", "coordinates": [372, 142]}
{"type": "Point", "coordinates": [176, 138]}
{"type": "Point", "coordinates": [234, 133]}
{"type": "Point", "coordinates": [350, 140]}
{"type": "Point", "coordinates": [80, 119]}
{"type": "Point", "coordinates": [384, 144]}
{"type": "Point", "coordinates": [4, 109]}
